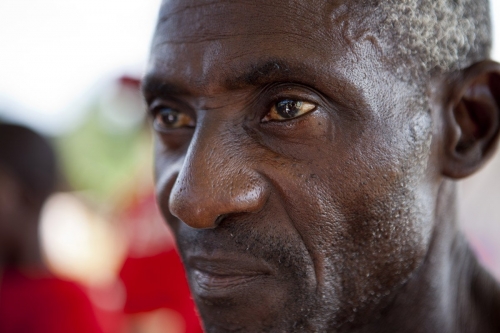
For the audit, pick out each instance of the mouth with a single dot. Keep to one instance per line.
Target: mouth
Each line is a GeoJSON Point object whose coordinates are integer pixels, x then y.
{"type": "Point", "coordinates": [221, 276]}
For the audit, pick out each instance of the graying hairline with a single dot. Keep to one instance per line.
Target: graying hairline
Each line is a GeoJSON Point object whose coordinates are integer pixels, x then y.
{"type": "Point", "coordinates": [434, 36]}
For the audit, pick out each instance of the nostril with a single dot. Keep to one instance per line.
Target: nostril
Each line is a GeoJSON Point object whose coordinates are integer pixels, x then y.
{"type": "Point", "coordinates": [200, 199]}
{"type": "Point", "coordinates": [219, 219]}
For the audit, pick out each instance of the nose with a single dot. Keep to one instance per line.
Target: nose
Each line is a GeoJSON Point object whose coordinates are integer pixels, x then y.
{"type": "Point", "coordinates": [216, 180]}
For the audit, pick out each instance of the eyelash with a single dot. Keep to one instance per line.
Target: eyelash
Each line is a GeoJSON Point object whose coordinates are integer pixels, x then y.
{"type": "Point", "coordinates": [157, 106]}
{"type": "Point", "coordinates": [296, 92]}
{"type": "Point", "coordinates": [273, 93]}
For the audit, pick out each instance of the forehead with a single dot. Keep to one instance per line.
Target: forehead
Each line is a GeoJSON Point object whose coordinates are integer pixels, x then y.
{"type": "Point", "coordinates": [199, 42]}
{"type": "Point", "coordinates": [210, 49]}
{"type": "Point", "coordinates": [194, 20]}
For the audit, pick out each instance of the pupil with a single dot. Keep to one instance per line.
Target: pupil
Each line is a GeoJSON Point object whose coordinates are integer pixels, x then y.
{"type": "Point", "coordinates": [170, 117]}
{"type": "Point", "coordinates": [288, 108]}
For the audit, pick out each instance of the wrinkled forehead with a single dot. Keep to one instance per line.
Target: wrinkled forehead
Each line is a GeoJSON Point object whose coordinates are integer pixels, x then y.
{"type": "Point", "coordinates": [237, 31]}
{"type": "Point", "coordinates": [195, 19]}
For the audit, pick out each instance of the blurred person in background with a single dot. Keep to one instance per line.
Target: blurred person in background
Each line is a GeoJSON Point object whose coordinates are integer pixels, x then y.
{"type": "Point", "coordinates": [31, 298]}
{"type": "Point", "coordinates": [157, 299]}
{"type": "Point", "coordinates": [137, 281]}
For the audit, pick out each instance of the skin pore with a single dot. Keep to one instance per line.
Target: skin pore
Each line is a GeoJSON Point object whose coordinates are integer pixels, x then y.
{"type": "Point", "coordinates": [307, 187]}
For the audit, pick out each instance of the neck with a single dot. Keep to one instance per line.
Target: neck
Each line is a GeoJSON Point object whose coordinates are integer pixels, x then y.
{"type": "Point", "coordinates": [450, 292]}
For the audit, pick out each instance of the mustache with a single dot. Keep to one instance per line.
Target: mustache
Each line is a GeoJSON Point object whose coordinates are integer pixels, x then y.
{"type": "Point", "coordinates": [246, 237]}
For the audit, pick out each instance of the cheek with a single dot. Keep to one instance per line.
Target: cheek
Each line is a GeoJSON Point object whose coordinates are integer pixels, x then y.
{"type": "Point", "coordinates": [363, 214]}
{"type": "Point", "coordinates": [167, 168]}
{"type": "Point", "coordinates": [383, 185]}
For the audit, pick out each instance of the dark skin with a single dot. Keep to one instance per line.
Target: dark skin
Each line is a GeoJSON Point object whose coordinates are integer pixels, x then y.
{"type": "Point", "coordinates": [19, 223]}
{"type": "Point", "coordinates": [308, 192]}
{"type": "Point", "coordinates": [27, 178]}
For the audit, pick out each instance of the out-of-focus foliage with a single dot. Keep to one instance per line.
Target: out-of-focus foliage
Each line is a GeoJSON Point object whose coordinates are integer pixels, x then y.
{"type": "Point", "coordinates": [102, 155]}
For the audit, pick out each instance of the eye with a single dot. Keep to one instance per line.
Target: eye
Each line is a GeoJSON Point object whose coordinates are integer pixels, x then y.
{"type": "Point", "coordinates": [168, 118]}
{"type": "Point", "coordinates": [288, 109]}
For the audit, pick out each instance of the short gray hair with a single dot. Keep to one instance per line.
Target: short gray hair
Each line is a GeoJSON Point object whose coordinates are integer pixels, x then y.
{"type": "Point", "coordinates": [436, 36]}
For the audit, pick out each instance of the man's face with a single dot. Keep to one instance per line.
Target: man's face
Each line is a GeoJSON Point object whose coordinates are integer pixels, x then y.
{"type": "Point", "coordinates": [291, 163]}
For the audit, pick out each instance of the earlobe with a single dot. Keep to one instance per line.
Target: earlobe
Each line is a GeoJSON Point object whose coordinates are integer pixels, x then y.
{"type": "Point", "coordinates": [472, 123]}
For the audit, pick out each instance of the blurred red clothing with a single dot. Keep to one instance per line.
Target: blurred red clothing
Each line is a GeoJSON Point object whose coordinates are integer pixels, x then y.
{"type": "Point", "coordinates": [44, 304]}
{"type": "Point", "coordinates": [158, 282]}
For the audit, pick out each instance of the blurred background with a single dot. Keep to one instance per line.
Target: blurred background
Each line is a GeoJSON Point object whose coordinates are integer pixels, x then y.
{"type": "Point", "coordinates": [70, 70]}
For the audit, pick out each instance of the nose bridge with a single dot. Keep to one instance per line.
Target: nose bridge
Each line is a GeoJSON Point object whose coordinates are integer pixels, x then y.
{"type": "Point", "coordinates": [215, 181]}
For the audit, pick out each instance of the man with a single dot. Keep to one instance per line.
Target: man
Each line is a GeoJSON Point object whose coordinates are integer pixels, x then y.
{"type": "Point", "coordinates": [31, 299]}
{"type": "Point", "coordinates": [306, 159]}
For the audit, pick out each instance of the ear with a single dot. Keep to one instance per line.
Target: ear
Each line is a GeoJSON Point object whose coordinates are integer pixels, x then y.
{"type": "Point", "coordinates": [472, 119]}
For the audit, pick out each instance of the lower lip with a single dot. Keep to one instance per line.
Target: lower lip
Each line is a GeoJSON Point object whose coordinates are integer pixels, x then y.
{"type": "Point", "coordinates": [215, 285]}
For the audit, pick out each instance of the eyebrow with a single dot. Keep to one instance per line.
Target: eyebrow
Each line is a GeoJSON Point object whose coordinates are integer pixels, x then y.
{"type": "Point", "coordinates": [261, 73]}
{"type": "Point", "coordinates": [155, 85]}
{"type": "Point", "coordinates": [257, 74]}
